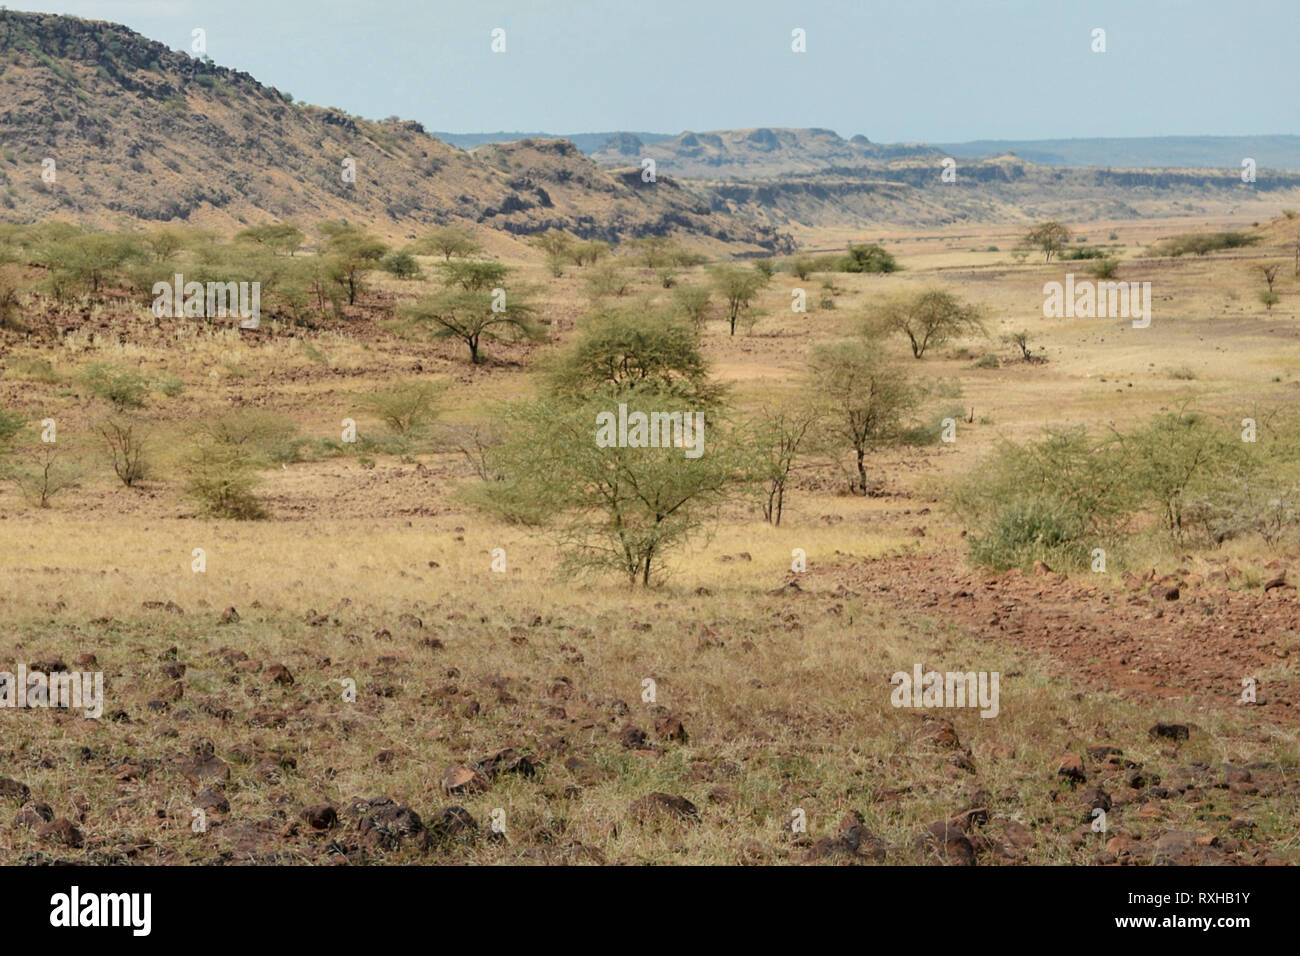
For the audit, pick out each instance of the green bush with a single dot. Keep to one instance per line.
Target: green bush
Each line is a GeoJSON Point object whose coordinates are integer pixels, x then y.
{"type": "Point", "coordinates": [867, 257]}
{"type": "Point", "coordinates": [1086, 252]}
{"type": "Point", "coordinates": [1179, 475]}
{"type": "Point", "coordinates": [266, 437]}
{"type": "Point", "coordinates": [125, 388]}
{"type": "Point", "coordinates": [1104, 268]}
{"type": "Point", "coordinates": [401, 264]}
{"type": "Point", "coordinates": [1051, 500]}
{"type": "Point", "coordinates": [221, 477]}
{"type": "Point", "coordinates": [405, 407]}
{"type": "Point", "coordinates": [41, 470]}
{"type": "Point", "coordinates": [1029, 531]}
{"type": "Point", "coordinates": [11, 426]}
{"type": "Point", "coordinates": [1201, 243]}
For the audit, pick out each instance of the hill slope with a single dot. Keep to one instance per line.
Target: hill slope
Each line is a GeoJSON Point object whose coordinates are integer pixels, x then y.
{"type": "Point", "coordinates": [141, 133]}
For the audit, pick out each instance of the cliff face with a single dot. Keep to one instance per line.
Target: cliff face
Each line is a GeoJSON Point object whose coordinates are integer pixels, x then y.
{"type": "Point", "coordinates": [139, 133]}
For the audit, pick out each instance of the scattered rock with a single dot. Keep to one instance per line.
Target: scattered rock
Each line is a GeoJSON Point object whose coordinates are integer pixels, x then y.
{"type": "Point", "coordinates": [461, 779]}
{"type": "Point", "coordinates": [203, 768]}
{"type": "Point", "coordinates": [505, 761]}
{"type": "Point", "coordinates": [633, 738]}
{"type": "Point", "coordinates": [1071, 768]}
{"type": "Point", "coordinates": [451, 824]}
{"type": "Point", "coordinates": [668, 727]}
{"type": "Point", "coordinates": [33, 815]}
{"type": "Point", "coordinates": [60, 831]}
{"type": "Point", "coordinates": [656, 805]}
{"type": "Point", "coordinates": [1169, 731]}
{"type": "Point", "coordinates": [279, 674]}
{"type": "Point", "coordinates": [322, 816]}
{"type": "Point", "coordinates": [13, 791]}
{"type": "Point", "coordinates": [953, 847]}
{"type": "Point", "coordinates": [388, 824]}
{"type": "Point", "coordinates": [210, 799]}
{"type": "Point", "coordinates": [1160, 592]}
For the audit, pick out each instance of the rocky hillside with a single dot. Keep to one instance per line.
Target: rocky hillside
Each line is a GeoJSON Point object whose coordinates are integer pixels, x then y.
{"type": "Point", "coordinates": [139, 133]}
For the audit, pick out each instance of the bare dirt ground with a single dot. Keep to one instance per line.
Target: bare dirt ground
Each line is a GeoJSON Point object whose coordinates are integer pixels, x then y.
{"type": "Point", "coordinates": [1160, 638]}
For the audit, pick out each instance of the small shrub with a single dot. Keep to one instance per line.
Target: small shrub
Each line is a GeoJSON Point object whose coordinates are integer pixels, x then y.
{"type": "Point", "coordinates": [405, 406]}
{"type": "Point", "coordinates": [401, 264]}
{"type": "Point", "coordinates": [33, 369]}
{"type": "Point", "coordinates": [125, 441]}
{"type": "Point", "coordinates": [265, 436]}
{"type": "Point", "coordinates": [1104, 268]}
{"type": "Point", "coordinates": [692, 302]}
{"type": "Point", "coordinates": [221, 478]}
{"type": "Point", "coordinates": [125, 388]}
{"type": "Point", "coordinates": [11, 426]}
{"type": "Point", "coordinates": [41, 471]}
{"type": "Point", "coordinates": [169, 385]}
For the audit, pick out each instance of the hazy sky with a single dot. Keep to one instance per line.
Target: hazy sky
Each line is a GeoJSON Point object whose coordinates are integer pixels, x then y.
{"type": "Point", "coordinates": [894, 70]}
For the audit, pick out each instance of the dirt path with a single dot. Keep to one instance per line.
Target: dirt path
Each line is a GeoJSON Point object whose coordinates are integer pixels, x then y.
{"type": "Point", "coordinates": [1155, 638]}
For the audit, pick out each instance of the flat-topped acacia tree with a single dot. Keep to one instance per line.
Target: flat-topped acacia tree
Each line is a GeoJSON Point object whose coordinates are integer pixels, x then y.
{"type": "Point", "coordinates": [474, 305]}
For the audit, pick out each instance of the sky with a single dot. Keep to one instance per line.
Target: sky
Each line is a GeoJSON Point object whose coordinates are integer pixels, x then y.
{"type": "Point", "coordinates": [893, 70]}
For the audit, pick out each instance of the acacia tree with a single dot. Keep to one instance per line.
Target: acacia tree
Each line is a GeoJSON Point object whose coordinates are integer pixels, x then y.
{"type": "Point", "coordinates": [351, 252]}
{"type": "Point", "coordinates": [862, 399]}
{"type": "Point", "coordinates": [928, 318]}
{"type": "Point", "coordinates": [1048, 237]}
{"type": "Point", "coordinates": [620, 351]}
{"type": "Point", "coordinates": [472, 276]}
{"type": "Point", "coordinates": [1172, 455]}
{"type": "Point", "coordinates": [739, 287]}
{"type": "Point", "coordinates": [620, 509]}
{"type": "Point", "coordinates": [447, 241]}
{"type": "Point", "coordinates": [1269, 271]}
{"type": "Point", "coordinates": [473, 308]}
{"type": "Point", "coordinates": [279, 238]}
{"type": "Point", "coordinates": [89, 260]}
{"type": "Point", "coordinates": [782, 435]}
{"type": "Point", "coordinates": [557, 245]}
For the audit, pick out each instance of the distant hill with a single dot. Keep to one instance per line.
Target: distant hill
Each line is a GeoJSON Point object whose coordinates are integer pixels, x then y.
{"type": "Point", "coordinates": [1195, 152]}
{"type": "Point", "coordinates": [911, 192]}
{"type": "Point", "coordinates": [751, 153]}
{"type": "Point", "coordinates": [141, 134]}
{"type": "Point", "coordinates": [766, 152]}
{"type": "Point", "coordinates": [588, 143]}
